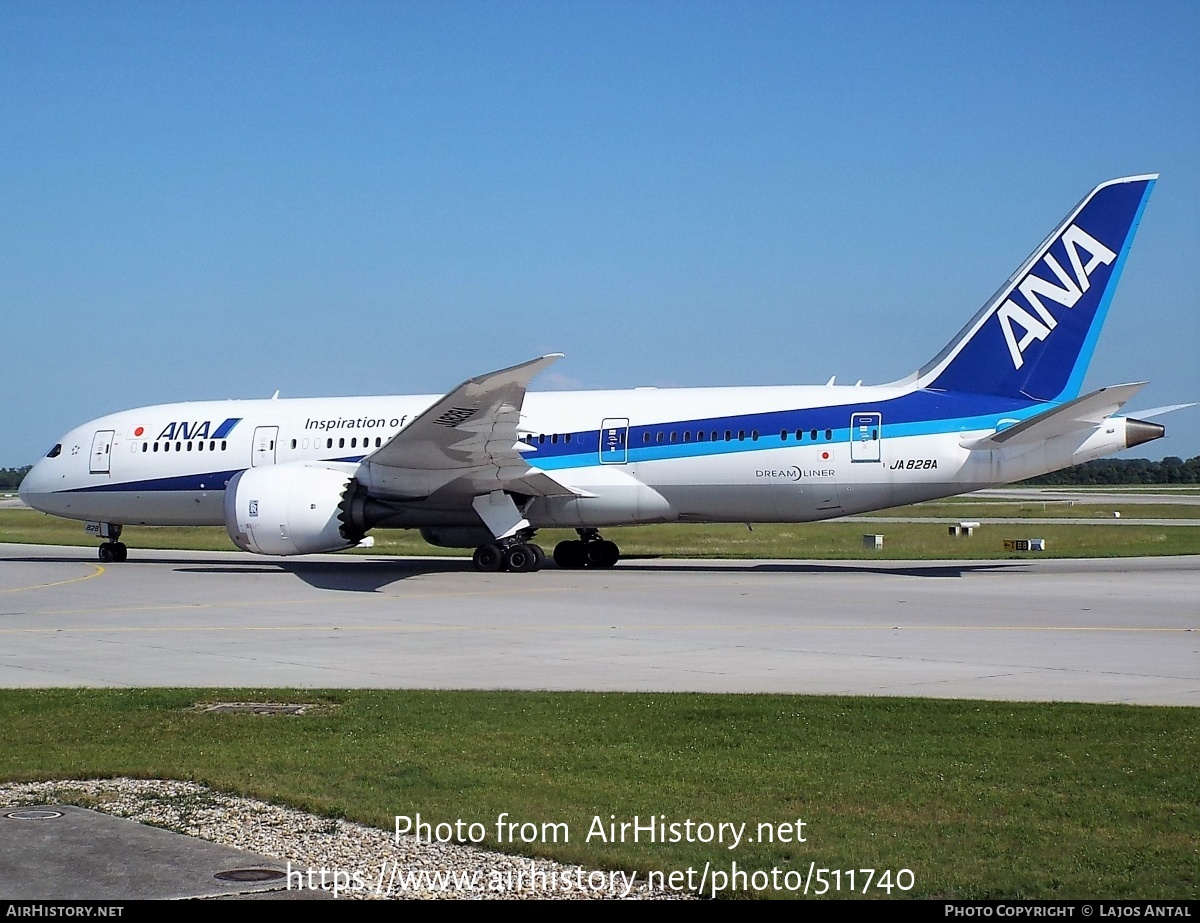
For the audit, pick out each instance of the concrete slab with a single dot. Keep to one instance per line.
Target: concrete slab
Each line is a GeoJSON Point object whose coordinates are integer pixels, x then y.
{"type": "Point", "coordinates": [62, 852]}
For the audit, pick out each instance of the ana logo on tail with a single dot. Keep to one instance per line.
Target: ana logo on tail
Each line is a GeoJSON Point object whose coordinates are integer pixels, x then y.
{"type": "Point", "coordinates": [1034, 288]}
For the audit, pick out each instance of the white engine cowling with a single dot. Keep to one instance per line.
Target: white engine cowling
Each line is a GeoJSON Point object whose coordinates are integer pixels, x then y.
{"type": "Point", "coordinates": [287, 509]}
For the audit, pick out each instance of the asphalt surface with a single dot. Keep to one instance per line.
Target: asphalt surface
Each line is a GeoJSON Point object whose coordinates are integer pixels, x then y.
{"type": "Point", "coordinates": [1113, 630]}
{"type": "Point", "coordinates": [60, 852]}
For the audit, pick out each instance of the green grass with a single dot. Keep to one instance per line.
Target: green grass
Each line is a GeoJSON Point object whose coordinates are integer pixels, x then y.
{"type": "Point", "coordinates": [1113, 488]}
{"type": "Point", "coordinates": [978, 799]}
{"type": "Point", "coordinates": [973, 508]}
{"type": "Point", "coordinates": [828, 540]}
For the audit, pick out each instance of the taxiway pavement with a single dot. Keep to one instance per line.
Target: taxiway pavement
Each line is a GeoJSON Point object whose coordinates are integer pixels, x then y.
{"type": "Point", "coordinates": [1113, 630]}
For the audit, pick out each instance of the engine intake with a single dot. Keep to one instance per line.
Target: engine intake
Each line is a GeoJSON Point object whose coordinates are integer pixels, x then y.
{"type": "Point", "coordinates": [296, 509]}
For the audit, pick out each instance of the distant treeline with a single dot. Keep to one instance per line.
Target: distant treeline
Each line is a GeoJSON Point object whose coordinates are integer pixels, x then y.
{"type": "Point", "coordinates": [1171, 470]}
{"type": "Point", "coordinates": [10, 478]}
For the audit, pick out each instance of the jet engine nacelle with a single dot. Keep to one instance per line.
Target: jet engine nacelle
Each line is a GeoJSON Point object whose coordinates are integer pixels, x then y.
{"type": "Point", "coordinates": [457, 536]}
{"type": "Point", "coordinates": [288, 509]}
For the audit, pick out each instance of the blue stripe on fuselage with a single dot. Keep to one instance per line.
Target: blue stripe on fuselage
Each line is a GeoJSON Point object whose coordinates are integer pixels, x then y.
{"type": "Point", "coordinates": [212, 480]}
{"type": "Point", "coordinates": [918, 413]}
{"type": "Point", "coordinates": [209, 480]}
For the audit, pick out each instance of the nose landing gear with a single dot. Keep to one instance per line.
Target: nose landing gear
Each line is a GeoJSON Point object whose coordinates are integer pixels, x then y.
{"type": "Point", "coordinates": [112, 551]}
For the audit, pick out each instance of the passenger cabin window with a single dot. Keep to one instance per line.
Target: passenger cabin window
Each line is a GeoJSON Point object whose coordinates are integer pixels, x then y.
{"type": "Point", "coordinates": [828, 434]}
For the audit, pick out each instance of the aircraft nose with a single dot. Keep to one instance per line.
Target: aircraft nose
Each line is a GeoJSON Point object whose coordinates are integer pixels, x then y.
{"type": "Point", "coordinates": [35, 487]}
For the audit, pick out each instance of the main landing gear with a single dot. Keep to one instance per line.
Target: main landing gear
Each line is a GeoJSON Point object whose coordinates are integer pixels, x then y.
{"type": "Point", "coordinates": [518, 555]}
{"type": "Point", "coordinates": [589, 551]}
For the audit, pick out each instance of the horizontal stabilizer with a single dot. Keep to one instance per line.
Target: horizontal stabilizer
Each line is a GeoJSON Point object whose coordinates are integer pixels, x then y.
{"type": "Point", "coordinates": [1159, 411]}
{"type": "Point", "coordinates": [1082, 413]}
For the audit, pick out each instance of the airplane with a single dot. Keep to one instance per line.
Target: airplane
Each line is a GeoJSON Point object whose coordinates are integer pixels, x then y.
{"type": "Point", "coordinates": [487, 465]}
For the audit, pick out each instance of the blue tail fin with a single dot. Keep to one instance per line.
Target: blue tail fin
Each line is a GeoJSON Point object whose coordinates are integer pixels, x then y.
{"type": "Point", "coordinates": [1036, 335]}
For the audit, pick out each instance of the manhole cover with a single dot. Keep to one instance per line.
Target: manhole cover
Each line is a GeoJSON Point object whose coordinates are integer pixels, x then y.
{"type": "Point", "coordinates": [250, 875]}
{"type": "Point", "coordinates": [33, 815]}
{"type": "Point", "coordinates": [257, 708]}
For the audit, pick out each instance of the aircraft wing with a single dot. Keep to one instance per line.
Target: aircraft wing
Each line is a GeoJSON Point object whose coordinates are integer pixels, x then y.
{"type": "Point", "coordinates": [468, 440]}
{"type": "Point", "coordinates": [1082, 413]}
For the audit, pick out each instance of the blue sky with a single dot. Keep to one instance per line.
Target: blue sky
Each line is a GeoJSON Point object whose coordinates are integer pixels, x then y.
{"type": "Point", "coordinates": [221, 199]}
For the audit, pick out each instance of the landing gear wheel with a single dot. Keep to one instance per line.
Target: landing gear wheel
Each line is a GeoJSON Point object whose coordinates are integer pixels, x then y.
{"type": "Point", "coordinates": [602, 553]}
{"type": "Point", "coordinates": [120, 552]}
{"type": "Point", "coordinates": [539, 557]}
{"type": "Point", "coordinates": [519, 558]}
{"type": "Point", "coordinates": [570, 555]}
{"type": "Point", "coordinates": [108, 553]}
{"type": "Point", "coordinates": [488, 558]}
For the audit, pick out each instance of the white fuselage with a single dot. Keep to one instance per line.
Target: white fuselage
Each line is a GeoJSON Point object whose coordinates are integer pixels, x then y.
{"type": "Point", "coordinates": [772, 454]}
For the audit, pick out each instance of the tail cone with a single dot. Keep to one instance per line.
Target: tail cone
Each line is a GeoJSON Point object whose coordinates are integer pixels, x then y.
{"type": "Point", "coordinates": [1139, 431]}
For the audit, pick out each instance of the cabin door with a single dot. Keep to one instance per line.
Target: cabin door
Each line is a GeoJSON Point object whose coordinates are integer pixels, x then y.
{"type": "Point", "coordinates": [101, 462]}
{"type": "Point", "coordinates": [263, 451]}
{"type": "Point", "coordinates": [866, 437]}
{"type": "Point", "coordinates": [614, 439]}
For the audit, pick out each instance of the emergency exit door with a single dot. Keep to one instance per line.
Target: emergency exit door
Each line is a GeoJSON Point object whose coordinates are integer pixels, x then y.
{"type": "Point", "coordinates": [866, 437]}
{"type": "Point", "coordinates": [614, 438]}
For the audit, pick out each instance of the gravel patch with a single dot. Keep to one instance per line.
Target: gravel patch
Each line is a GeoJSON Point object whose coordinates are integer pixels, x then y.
{"type": "Point", "coordinates": [358, 862]}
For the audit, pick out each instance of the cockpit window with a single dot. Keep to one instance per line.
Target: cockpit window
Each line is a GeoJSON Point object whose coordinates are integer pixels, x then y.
{"type": "Point", "coordinates": [55, 452]}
